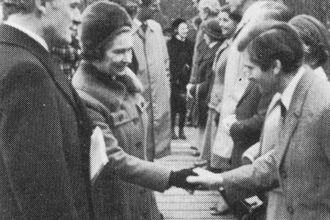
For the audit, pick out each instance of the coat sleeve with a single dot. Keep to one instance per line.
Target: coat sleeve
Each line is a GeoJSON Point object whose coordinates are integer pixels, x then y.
{"type": "Point", "coordinates": [202, 88]}
{"type": "Point", "coordinates": [252, 179]}
{"type": "Point", "coordinates": [127, 167]}
{"type": "Point", "coordinates": [32, 151]}
{"type": "Point", "coordinates": [166, 56]}
{"type": "Point", "coordinates": [251, 127]}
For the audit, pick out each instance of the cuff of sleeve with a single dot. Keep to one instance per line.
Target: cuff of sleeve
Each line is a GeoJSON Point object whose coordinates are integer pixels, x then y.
{"type": "Point", "coordinates": [247, 156]}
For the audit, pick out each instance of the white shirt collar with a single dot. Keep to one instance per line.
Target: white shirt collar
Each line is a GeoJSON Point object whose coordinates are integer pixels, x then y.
{"type": "Point", "coordinates": [212, 44]}
{"type": "Point", "coordinates": [180, 38]}
{"type": "Point", "coordinates": [137, 21]}
{"type": "Point", "coordinates": [31, 34]}
{"type": "Point", "coordinates": [287, 94]}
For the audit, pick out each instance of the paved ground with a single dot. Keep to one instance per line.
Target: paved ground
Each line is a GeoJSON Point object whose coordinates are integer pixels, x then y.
{"type": "Point", "coordinates": [177, 203]}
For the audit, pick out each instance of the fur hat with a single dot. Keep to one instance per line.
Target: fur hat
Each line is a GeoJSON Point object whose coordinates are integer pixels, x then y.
{"type": "Point", "coordinates": [213, 29]}
{"type": "Point", "coordinates": [100, 21]}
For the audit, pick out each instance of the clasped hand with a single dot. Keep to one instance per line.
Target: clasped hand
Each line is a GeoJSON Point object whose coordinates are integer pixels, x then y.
{"type": "Point", "coordinates": [192, 179]}
{"type": "Point", "coordinates": [205, 179]}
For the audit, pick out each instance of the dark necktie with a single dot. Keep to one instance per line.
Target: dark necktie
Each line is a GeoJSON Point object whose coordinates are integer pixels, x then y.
{"type": "Point", "coordinates": [144, 26]}
{"type": "Point", "coordinates": [283, 112]}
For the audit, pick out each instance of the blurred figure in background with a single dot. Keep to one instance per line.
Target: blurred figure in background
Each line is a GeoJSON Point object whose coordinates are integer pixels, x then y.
{"type": "Point", "coordinates": [208, 10]}
{"type": "Point", "coordinates": [228, 23]}
{"type": "Point", "coordinates": [200, 90]}
{"type": "Point", "coordinates": [131, 6]}
{"type": "Point", "coordinates": [68, 54]}
{"type": "Point", "coordinates": [153, 71]}
{"type": "Point", "coordinates": [180, 51]}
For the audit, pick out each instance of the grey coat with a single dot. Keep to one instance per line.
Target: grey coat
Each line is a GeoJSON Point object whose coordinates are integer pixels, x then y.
{"type": "Point", "coordinates": [116, 106]}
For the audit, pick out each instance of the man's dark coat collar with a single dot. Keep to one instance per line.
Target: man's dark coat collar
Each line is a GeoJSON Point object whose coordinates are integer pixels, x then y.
{"type": "Point", "coordinates": [11, 35]}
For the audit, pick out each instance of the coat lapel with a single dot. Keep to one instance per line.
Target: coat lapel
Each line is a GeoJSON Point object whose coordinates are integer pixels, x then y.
{"type": "Point", "coordinates": [209, 53]}
{"type": "Point", "coordinates": [293, 114]}
{"type": "Point", "coordinates": [246, 93]}
{"type": "Point", "coordinates": [26, 42]}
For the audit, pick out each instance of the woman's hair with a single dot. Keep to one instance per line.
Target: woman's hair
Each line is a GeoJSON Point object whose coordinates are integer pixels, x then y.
{"type": "Point", "coordinates": [315, 36]}
{"type": "Point", "coordinates": [271, 41]}
{"type": "Point", "coordinates": [102, 48]}
{"type": "Point", "coordinates": [233, 16]}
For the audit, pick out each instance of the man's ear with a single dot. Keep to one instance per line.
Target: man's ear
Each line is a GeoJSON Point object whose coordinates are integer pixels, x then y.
{"type": "Point", "coordinates": [41, 6]}
{"type": "Point", "coordinates": [277, 67]}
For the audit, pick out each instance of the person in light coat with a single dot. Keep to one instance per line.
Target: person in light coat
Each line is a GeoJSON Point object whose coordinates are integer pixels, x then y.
{"type": "Point", "coordinates": [153, 71]}
{"type": "Point", "coordinates": [236, 79]}
{"type": "Point", "coordinates": [298, 160]}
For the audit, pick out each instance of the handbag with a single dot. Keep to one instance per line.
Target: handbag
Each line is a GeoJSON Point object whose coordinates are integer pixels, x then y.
{"type": "Point", "coordinates": [249, 209]}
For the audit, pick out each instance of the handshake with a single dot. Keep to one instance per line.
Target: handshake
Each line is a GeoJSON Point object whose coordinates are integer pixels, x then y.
{"type": "Point", "coordinates": [193, 179]}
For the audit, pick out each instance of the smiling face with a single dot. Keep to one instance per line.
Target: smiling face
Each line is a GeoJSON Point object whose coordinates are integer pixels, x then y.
{"type": "Point", "coordinates": [118, 55]}
{"type": "Point", "coordinates": [149, 11]}
{"type": "Point", "coordinates": [58, 18]}
{"type": "Point", "coordinates": [183, 30]}
{"type": "Point", "coordinates": [228, 26]}
{"type": "Point", "coordinates": [267, 80]}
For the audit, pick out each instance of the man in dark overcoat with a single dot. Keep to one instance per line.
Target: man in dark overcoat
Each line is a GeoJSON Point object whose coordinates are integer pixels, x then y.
{"type": "Point", "coordinates": [44, 131]}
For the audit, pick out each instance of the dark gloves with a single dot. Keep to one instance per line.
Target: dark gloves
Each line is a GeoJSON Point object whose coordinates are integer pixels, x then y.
{"type": "Point", "coordinates": [178, 178]}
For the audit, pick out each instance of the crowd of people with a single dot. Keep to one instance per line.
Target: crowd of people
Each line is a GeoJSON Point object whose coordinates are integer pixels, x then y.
{"type": "Point", "coordinates": [254, 85]}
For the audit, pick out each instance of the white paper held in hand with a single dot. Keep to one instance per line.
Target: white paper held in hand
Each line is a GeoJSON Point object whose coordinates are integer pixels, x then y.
{"type": "Point", "coordinates": [98, 156]}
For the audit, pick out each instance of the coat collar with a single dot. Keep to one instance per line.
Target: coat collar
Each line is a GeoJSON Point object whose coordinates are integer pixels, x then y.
{"type": "Point", "coordinates": [111, 91]}
{"type": "Point", "coordinates": [22, 40]}
{"type": "Point", "coordinates": [294, 112]}
{"type": "Point", "coordinates": [247, 91]}
{"type": "Point", "coordinates": [136, 27]}
{"type": "Point", "coordinates": [209, 53]}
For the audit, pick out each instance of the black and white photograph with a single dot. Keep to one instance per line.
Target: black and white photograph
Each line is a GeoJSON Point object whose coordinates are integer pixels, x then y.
{"type": "Point", "coordinates": [164, 109]}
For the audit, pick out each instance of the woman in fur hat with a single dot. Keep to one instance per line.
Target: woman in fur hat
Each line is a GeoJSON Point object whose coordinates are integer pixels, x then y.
{"type": "Point", "coordinates": [112, 94]}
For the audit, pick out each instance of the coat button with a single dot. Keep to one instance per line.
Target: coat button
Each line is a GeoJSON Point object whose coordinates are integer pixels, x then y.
{"type": "Point", "coordinates": [139, 145]}
{"type": "Point", "coordinates": [290, 210]}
